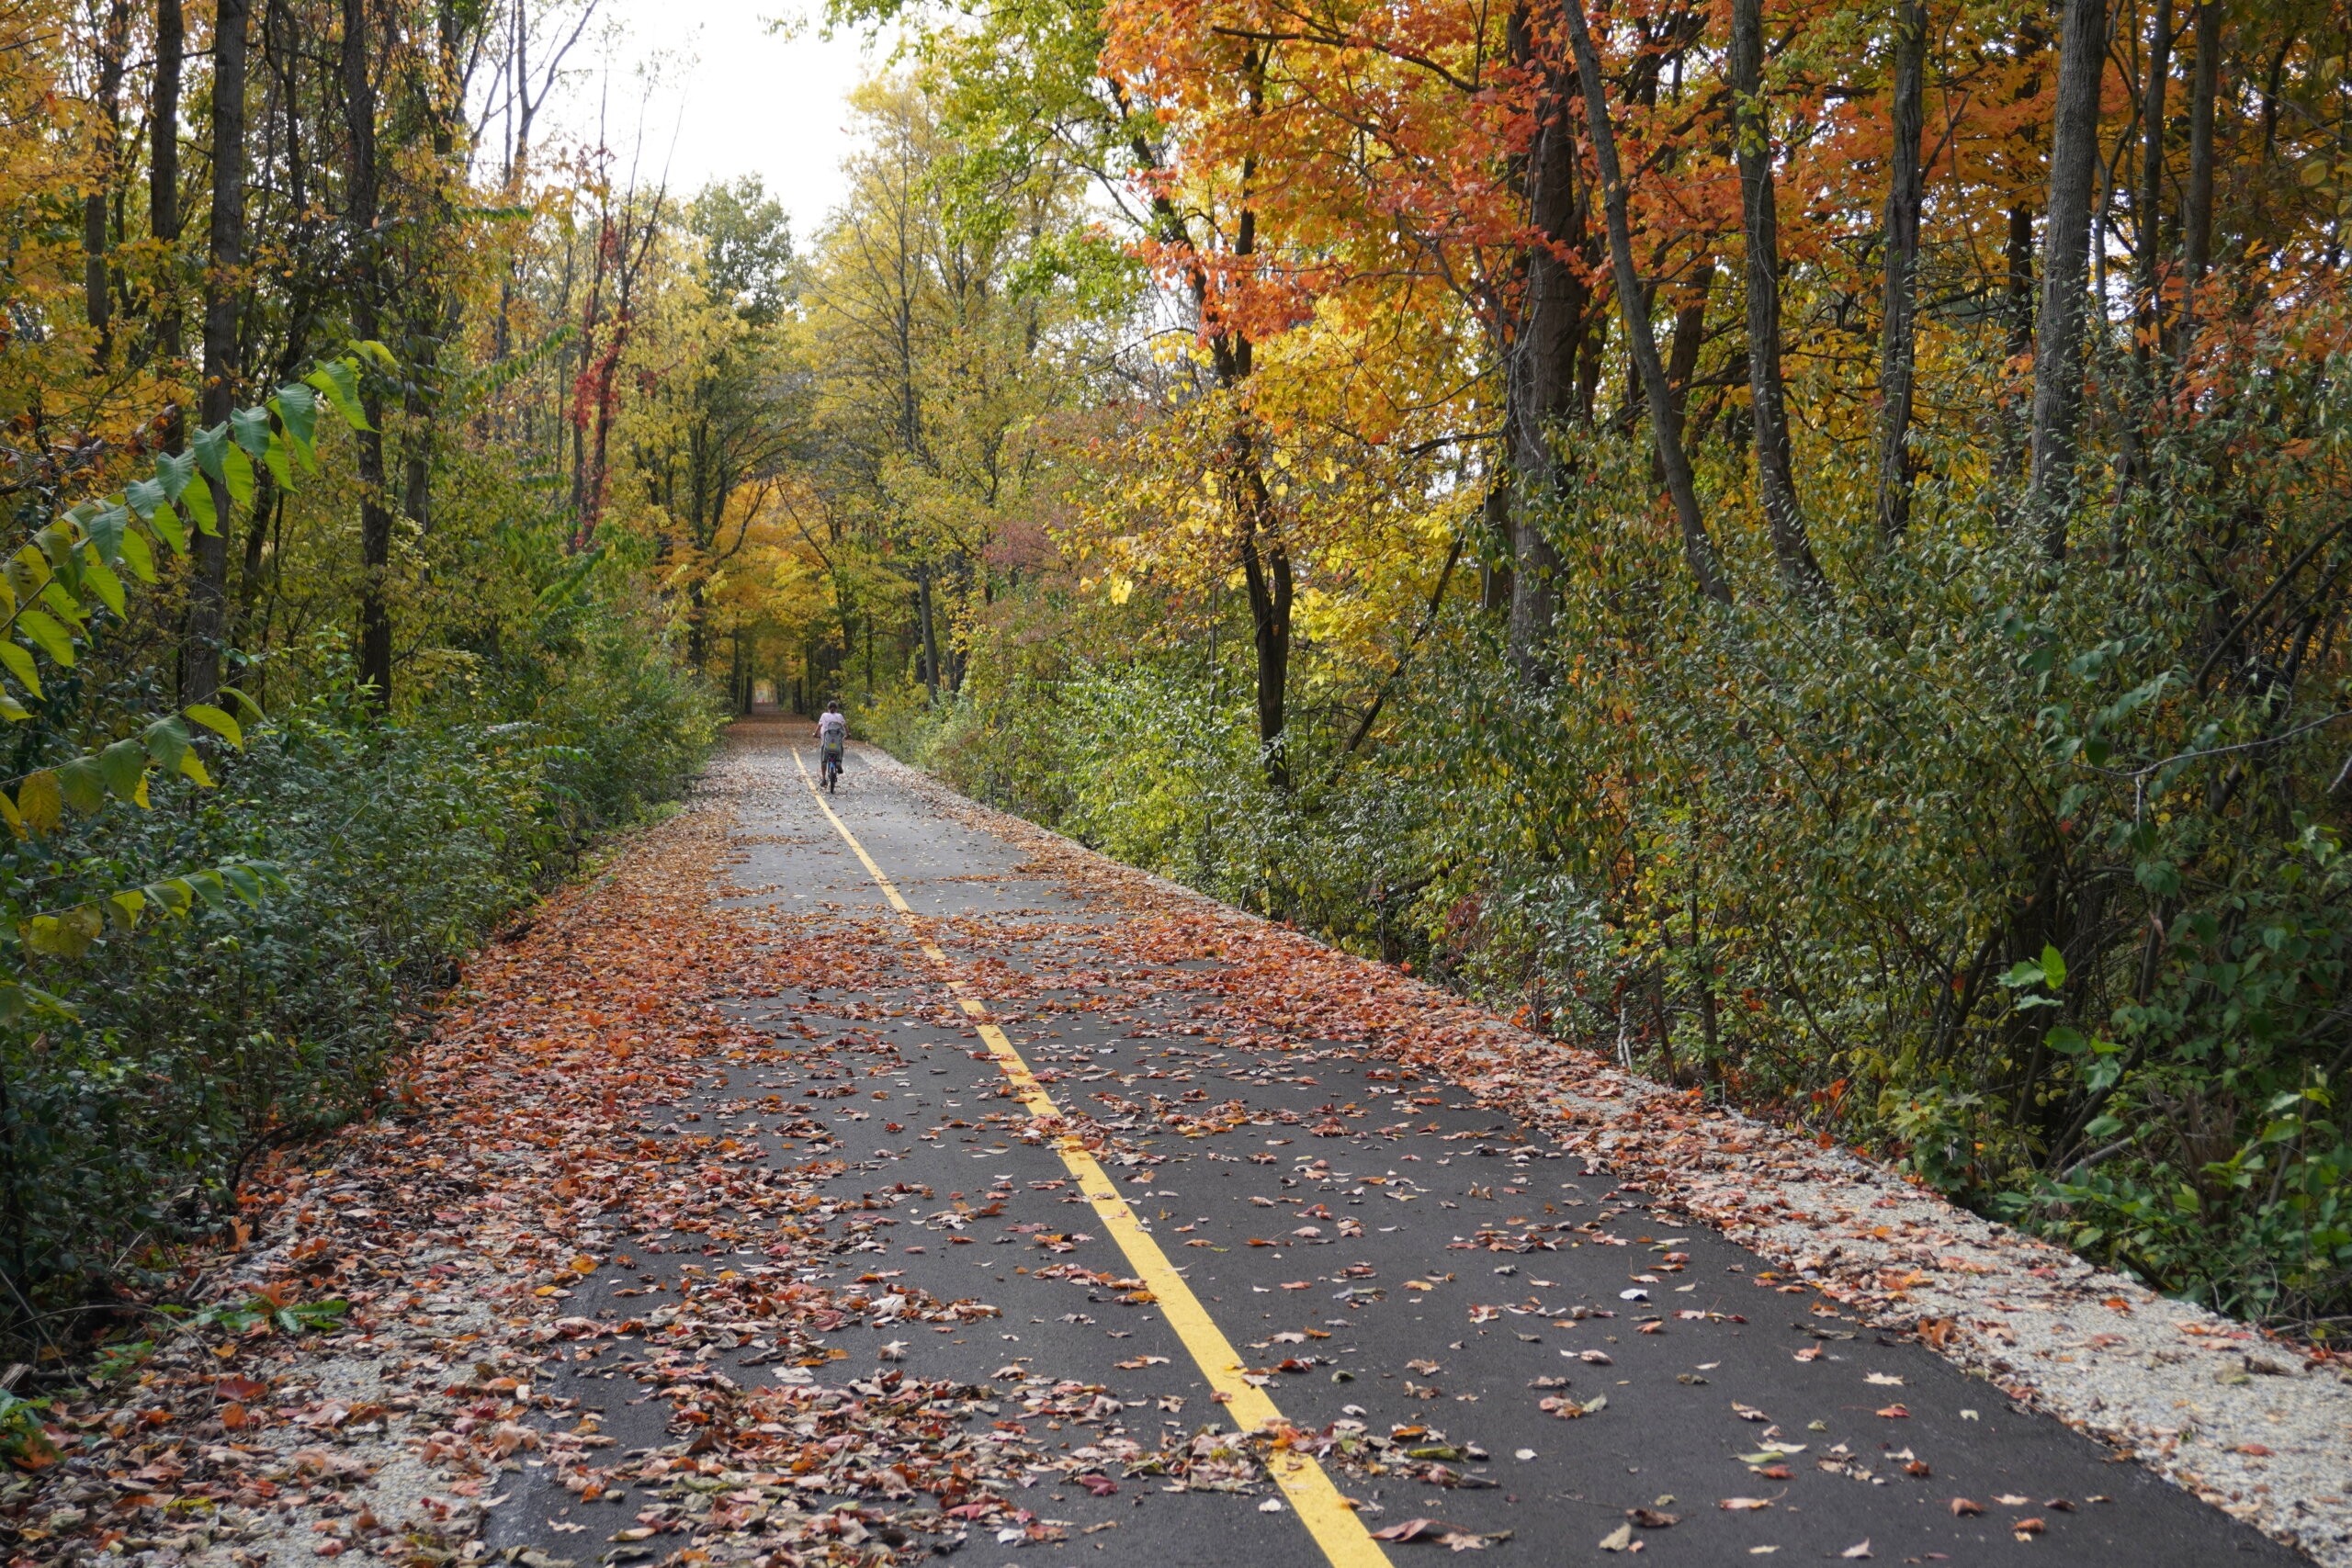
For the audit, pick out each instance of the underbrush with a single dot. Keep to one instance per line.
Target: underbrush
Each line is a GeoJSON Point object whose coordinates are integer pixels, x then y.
{"type": "Point", "coordinates": [2030, 880]}
{"type": "Point", "coordinates": [402, 841]}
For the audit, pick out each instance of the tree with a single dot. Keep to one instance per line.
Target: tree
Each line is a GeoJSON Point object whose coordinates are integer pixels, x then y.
{"type": "Point", "coordinates": [224, 260]}
{"type": "Point", "coordinates": [2065, 309]}
{"type": "Point", "coordinates": [1898, 327]}
{"type": "Point", "coordinates": [1760, 211]}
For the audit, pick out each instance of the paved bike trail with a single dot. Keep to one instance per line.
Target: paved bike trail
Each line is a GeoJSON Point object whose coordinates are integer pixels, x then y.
{"type": "Point", "coordinates": [1461, 1282]}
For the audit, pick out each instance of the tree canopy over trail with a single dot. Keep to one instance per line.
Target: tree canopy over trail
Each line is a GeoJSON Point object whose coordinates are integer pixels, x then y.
{"type": "Point", "coordinates": [1800, 544]}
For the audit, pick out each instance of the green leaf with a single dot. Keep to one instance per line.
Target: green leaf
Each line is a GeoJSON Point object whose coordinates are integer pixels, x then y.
{"type": "Point", "coordinates": [143, 496]}
{"type": "Point", "coordinates": [14, 711]}
{"type": "Point", "coordinates": [64, 552]}
{"type": "Point", "coordinates": [135, 552]}
{"type": "Point", "coordinates": [173, 892]}
{"type": "Point", "coordinates": [170, 530]}
{"type": "Point", "coordinates": [106, 530]}
{"type": "Point", "coordinates": [241, 475]}
{"type": "Point", "coordinates": [69, 935]}
{"type": "Point", "coordinates": [251, 709]}
{"type": "Point", "coordinates": [2053, 965]}
{"type": "Point", "coordinates": [166, 742]}
{"type": "Point", "coordinates": [212, 718]}
{"type": "Point", "coordinates": [297, 407]}
{"type": "Point", "coordinates": [47, 634]}
{"type": "Point", "coordinates": [41, 802]}
{"type": "Point", "coordinates": [105, 585]}
{"type": "Point", "coordinates": [63, 605]}
{"type": "Point", "coordinates": [123, 765]}
{"type": "Point", "coordinates": [249, 428]}
{"type": "Point", "coordinates": [19, 664]}
{"type": "Point", "coordinates": [275, 457]}
{"type": "Point", "coordinates": [210, 450]}
{"type": "Point", "coordinates": [228, 465]}
{"type": "Point", "coordinates": [83, 783]}
{"type": "Point", "coordinates": [193, 766]}
{"type": "Point", "coordinates": [339, 379]}
{"type": "Point", "coordinates": [246, 884]}
{"type": "Point", "coordinates": [207, 886]}
{"type": "Point", "coordinates": [198, 504]}
{"type": "Point", "coordinates": [173, 472]}
{"type": "Point", "coordinates": [14, 817]}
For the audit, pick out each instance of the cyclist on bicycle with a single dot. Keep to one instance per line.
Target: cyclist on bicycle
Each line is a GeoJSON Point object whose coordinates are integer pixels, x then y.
{"type": "Point", "coordinates": [832, 734]}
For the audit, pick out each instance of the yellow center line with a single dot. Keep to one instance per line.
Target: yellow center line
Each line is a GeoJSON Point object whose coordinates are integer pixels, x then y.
{"type": "Point", "coordinates": [1346, 1543]}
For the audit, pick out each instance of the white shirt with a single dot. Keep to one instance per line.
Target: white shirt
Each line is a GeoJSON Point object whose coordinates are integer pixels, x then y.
{"type": "Point", "coordinates": [833, 728]}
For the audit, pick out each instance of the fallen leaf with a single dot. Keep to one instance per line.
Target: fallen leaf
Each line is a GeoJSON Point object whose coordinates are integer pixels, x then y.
{"type": "Point", "coordinates": [1651, 1519]}
{"type": "Point", "coordinates": [1895, 1413]}
{"type": "Point", "coordinates": [1885, 1379]}
{"type": "Point", "coordinates": [1859, 1548]}
{"type": "Point", "coordinates": [1743, 1505]}
{"type": "Point", "coordinates": [1618, 1539]}
{"type": "Point", "coordinates": [1962, 1507]}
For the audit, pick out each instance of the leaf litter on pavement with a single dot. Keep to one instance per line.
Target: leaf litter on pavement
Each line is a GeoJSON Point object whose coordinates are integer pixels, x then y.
{"type": "Point", "coordinates": [540, 1140]}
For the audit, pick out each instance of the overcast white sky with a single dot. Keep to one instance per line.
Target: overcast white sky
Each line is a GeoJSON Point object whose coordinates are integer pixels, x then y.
{"type": "Point", "coordinates": [720, 95]}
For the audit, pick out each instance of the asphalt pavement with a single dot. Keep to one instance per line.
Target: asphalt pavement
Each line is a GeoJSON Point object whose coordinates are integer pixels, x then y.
{"type": "Point", "coordinates": [1580, 1367]}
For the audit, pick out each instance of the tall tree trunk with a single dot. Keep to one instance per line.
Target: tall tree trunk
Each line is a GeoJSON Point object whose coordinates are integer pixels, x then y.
{"type": "Point", "coordinates": [1898, 324]}
{"type": "Point", "coordinates": [2148, 224]}
{"type": "Point", "coordinates": [375, 517]}
{"type": "Point", "coordinates": [224, 259]}
{"type": "Point", "coordinates": [2008, 455]}
{"type": "Point", "coordinates": [1540, 367]}
{"type": "Point", "coordinates": [2063, 328]}
{"type": "Point", "coordinates": [105, 170]}
{"type": "Point", "coordinates": [164, 167]}
{"type": "Point", "coordinates": [2196, 214]}
{"type": "Point", "coordinates": [1266, 576]}
{"type": "Point", "coordinates": [1760, 212]}
{"type": "Point", "coordinates": [929, 635]}
{"type": "Point", "coordinates": [1689, 334]}
{"type": "Point", "coordinates": [1632, 306]}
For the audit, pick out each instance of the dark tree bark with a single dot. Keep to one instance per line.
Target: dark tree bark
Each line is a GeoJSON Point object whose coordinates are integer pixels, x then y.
{"type": "Point", "coordinates": [1541, 393]}
{"type": "Point", "coordinates": [224, 258]}
{"type": "Point", "coordinates": [1760, 212]}
{"type": "Point", "coordinates": [1898, 324]}
{"type": "Point", "coordinates": [360, 215]}
{"type": "Point", "coordinates": [2196, 211]}
{"type": "Point", "coordinates": [1266, 575]}
{"type": "Point", "coordinates": [2148, 224]}
{"type": "Point", "coordinates": [164, 164]}
{"type": "Point", "coordinates": [2063, 328]}
{"type": "Point", "coordinates": [97, 201]}
{"type": "Point", "coordinates": [1632, 306]}
{"type": "Point", "coordinates": [1689, 334]}
{"type": "Point", "coordinates": [930, 637]}
{"type": "Point", "coordinates": [2008, 455]}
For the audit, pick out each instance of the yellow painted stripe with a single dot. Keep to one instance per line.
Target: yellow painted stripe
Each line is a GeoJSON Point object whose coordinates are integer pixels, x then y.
{"type": "Point", "coordinates": [1345, 1541]}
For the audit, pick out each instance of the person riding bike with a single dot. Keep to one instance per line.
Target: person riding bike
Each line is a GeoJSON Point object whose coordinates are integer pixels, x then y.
{"type": "Point", "coordinates": [832, 736]}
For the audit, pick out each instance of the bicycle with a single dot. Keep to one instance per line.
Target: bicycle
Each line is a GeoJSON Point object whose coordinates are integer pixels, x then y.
{"type": "Point", "coordinates": [831, 765]}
